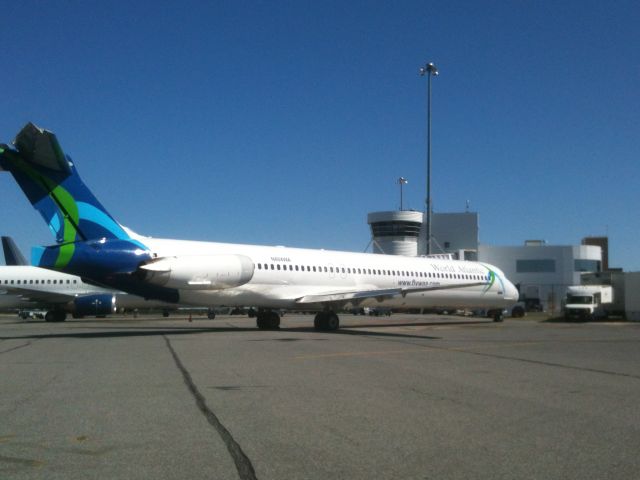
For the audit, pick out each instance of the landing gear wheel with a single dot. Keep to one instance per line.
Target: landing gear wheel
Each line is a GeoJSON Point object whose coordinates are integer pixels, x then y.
{"type": "Point", "coordinates": [333, 322]}
{"type": "Point", "coordinates": [268, 320]}
{"type": "Point", "coordinates": [326, 321]}
{"type": "Point", "coordinates": [55, 316]}
{"type": "Point", "coordinates": [497, 316]}
{"type": "Point", "coordinates": [273, 320]}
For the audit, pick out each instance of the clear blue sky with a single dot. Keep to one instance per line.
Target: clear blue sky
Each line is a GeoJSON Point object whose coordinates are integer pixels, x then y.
{"type": "Point", "coordinates": [286, 122]}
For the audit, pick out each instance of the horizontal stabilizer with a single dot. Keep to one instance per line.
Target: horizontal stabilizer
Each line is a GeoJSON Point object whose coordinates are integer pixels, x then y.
{"type": "Point", "coordinates": [41, 147]}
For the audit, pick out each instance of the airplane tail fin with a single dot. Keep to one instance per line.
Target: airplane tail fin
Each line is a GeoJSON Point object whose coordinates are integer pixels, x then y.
{"type": "Point", "coordinates": [51, 182]}
{"type": "Point", "coordinates": [83, 228]}
{"type": "Point", "coordinates": [12, 254]}
{"type": "Point", "coordinates": [90, 242]}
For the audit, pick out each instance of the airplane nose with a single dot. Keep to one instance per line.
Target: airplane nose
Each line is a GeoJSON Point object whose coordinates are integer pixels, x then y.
{"type": "Point", "coordinates": [511, 292]}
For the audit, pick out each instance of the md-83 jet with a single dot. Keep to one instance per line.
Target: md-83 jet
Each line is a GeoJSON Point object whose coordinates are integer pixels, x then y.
{"type": "Point", "coordinates": [93, 245]}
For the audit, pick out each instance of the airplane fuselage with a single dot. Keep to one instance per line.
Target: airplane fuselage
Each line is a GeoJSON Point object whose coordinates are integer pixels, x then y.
{"type": "Point", "coordinates": [282, 277]}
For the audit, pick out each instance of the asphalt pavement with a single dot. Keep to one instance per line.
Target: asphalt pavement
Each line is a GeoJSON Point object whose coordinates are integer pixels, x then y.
{"type": "Point", "coordinates": [406, 396]}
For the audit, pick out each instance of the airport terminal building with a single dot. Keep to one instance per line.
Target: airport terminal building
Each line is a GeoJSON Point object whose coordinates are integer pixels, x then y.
{"type": "Point", "coordinates": [542, 272]}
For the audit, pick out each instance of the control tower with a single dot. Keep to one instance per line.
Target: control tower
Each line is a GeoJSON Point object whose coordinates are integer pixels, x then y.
{"type": "Point", "coordinates": [395, 232]}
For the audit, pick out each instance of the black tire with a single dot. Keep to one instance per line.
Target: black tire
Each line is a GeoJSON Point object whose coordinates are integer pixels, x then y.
{"type": "Point", "coordinates": [273, 320]}
{"type": "Point", "coordinates": [333, 322]}
{"type": "Point", "coordinates": [55, 316]}
{"type": "Point", "coordinates": [320, 321]}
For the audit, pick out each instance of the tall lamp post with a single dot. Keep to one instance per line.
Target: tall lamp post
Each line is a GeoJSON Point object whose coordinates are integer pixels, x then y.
{"type": "Point", "coordinates": [430, 70]}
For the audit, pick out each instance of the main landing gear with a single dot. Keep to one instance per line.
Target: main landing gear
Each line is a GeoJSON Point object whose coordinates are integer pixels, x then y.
{"type": "Point", "coordinates": [327, 321]}
{"type": "Point", "coordinates": [55, 316]}
{"type": "Point", "coordinates": [267, 320]}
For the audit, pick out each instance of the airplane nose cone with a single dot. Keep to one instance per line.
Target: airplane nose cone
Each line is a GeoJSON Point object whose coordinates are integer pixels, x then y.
{"type": "Point", "coordinates": [511, 292]}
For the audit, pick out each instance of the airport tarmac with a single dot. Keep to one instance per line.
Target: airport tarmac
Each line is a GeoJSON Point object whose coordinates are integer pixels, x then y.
{"type": "Point", "coordinates": [406, 396]}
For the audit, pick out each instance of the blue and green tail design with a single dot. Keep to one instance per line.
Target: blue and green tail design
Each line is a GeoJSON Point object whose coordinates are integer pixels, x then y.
{"type": "Point", "coordinates": [51, 182]}
{"type": "Point", "coordinates": [90, 243]}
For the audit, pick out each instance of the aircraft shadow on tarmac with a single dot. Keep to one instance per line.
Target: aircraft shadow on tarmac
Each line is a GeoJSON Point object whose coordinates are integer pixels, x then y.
{"type": "Point", "coordinates": [110, 331]}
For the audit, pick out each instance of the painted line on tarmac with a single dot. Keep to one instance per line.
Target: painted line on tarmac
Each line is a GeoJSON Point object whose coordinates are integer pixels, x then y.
{"type": "Point", "coordinates": [243, 464]}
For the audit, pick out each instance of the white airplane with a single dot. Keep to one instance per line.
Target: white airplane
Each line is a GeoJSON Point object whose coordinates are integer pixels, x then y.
{"type": "Point", "coordinates": [23, 287]}
{"type": "Point", "coordinates": [33, 288]}
{"type": "Point", "coordinates": [93, 245]}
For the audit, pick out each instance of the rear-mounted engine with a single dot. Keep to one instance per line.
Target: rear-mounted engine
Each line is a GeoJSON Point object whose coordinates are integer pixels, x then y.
{"type": "Point", "coordinates": [199, 272]}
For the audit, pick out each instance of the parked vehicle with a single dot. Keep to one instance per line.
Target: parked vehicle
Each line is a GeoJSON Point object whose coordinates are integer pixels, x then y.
{"type": "Point", "coordinates": [588, 302]}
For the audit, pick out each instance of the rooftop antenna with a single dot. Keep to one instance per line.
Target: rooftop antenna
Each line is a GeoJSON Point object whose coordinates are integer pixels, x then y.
{"type": "Point", "coordinates": [402, 181]}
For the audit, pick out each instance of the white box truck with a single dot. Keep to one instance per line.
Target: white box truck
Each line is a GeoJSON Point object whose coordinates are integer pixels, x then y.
{"type": "Point", "coordinates": [588, 302]}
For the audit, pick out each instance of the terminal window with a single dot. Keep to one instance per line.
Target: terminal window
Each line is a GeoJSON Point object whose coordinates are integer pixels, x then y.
{"type": "Point", "coordinates": [582, 265]}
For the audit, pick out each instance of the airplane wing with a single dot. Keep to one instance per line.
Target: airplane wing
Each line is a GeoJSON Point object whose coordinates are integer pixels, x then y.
{"type": "Point", "coordinates": [37, 296]}
{"type": "Point", "coordinates": [346, 296]}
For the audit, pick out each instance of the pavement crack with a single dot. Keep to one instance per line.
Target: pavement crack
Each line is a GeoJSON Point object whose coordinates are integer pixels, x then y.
{"type": "Point", "coordinates": [243, 463]}
{"type": "Point", "coordinates": [17, 347]}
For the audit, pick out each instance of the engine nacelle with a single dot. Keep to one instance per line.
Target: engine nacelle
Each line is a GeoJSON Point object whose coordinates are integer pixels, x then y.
{"type": "Point", "coordinates": [199, 272]}
{"type": "Point", "coordinates": [101, 304]}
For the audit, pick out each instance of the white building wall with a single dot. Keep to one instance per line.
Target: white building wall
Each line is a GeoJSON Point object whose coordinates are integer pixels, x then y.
{"type": "Point", "coordinates": [451, 232]}
{"type": "Point", "coordinates": [542, 270]}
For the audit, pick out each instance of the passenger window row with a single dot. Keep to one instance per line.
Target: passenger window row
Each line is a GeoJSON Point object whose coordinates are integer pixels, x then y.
{"type": "Point", "coordinates": [369, 271]}
{"type": "Point", "coordinates": [38, 282]}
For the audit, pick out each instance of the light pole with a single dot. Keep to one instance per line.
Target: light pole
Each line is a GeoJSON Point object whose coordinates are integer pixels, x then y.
{"type": "Point", "coordinates": [402, 181]}
{"type": "Point", "coordinates": [431, 71]}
